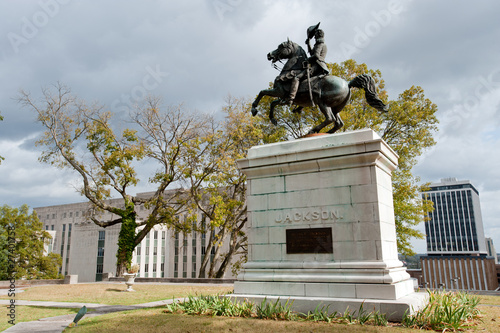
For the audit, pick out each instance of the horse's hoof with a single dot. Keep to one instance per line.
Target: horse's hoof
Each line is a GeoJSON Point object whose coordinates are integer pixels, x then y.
{"type": "Point", "coordinates": [298, 110]}
{"type": "Point", "coordinates": [275, 122]}
{"type": "Point", "coordinates": [254, 111]}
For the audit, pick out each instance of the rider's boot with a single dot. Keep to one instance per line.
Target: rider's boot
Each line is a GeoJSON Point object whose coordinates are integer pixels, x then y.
{"type": "Point", "coordinates": [293, 90]}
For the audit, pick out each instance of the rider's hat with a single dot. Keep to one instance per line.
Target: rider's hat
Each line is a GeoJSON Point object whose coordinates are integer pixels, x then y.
{"type": "Point", "coordinates": [311, 30]}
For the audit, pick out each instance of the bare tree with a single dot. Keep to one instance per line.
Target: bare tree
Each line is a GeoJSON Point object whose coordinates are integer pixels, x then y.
{"type": "Point", "coordinates": [81, 137]}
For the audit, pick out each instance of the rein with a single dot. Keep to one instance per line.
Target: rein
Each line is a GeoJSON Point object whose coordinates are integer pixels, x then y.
{"type": "Point", "coordinates": [273, 65]}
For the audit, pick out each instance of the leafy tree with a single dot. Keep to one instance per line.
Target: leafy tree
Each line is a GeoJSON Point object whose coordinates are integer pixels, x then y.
{"type": "Point", "coordinates": [4, 255]}
{"type": "Point", "coordinates": [218, 187]}
{"type": "Point", "coordinates": [81, 137]}
{"type": "Point", "coordinates": [408, 128]}
{"type": "Point", "coordinates": [28, 253]}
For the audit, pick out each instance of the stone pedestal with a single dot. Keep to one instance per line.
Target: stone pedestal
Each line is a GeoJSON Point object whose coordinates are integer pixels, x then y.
{"type": "Point", "coordinates": [321, 224]}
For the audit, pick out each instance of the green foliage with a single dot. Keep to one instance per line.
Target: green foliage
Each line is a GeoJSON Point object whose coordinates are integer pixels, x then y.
{"type": "Point", "coordinates": [275, 311]}
{"type": "Point", "coordinates": [213, 306]}
{"type": "Point", "coordinates": [4, 254]}
{"type": "Point", "coordinates": [224, 306]}
{"type": "Point", "coordinates": [127, 235]}
{"type": "Point", "coordinates": [28, 257]}
{"type": "Point", "coordinates": [408, 128]}
{"type": "Point", "coordinates": [445, 311]}
{"type": "Point", "coordinates": [321, 314]}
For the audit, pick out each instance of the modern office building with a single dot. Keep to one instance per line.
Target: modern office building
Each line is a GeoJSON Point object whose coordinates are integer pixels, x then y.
{"type": "Point", "coordinates": [490, 248]}
{"type": "Point", "coordinates": [455, 226]}
{"type": "Point", "coordinates": [88, 250]}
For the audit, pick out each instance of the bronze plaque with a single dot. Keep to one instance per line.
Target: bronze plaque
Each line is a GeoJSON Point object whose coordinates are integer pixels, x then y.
{"type": "Point", "coordinates": [316, 240]}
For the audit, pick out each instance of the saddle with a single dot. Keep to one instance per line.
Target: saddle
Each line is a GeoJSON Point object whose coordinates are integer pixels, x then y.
{"type": "Point", "coordinates": [315, 86]}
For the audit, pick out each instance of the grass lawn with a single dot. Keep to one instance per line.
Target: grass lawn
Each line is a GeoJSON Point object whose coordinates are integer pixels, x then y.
{"type": "Point", "coordinates": [155, 320]}
{"type": "Point", "coordinates": [112, 294]}
{"type": "Point", "coordinates": [30, 313]}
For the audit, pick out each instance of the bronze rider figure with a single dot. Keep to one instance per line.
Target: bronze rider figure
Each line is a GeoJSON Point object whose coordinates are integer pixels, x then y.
{"type": "Point", "coordinates": [316, 64]}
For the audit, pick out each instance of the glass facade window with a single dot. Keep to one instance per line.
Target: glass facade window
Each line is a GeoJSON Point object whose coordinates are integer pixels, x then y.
{"type": "Point", "coordinates": [452, 228]}
{"type": "Point", "coordinates": [100, 254]}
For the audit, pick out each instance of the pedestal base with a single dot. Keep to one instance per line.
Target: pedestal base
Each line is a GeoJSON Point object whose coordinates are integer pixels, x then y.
{"type": "Point", "coordinates": [322, 228]}
{"type": "Point", "coordinates": [308, 289]}
{"type": "Point", "coordinates": [394, 309]}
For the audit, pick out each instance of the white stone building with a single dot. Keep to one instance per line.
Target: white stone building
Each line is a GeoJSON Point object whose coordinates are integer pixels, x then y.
{"type": "Point", "coordinates": [88, 250]}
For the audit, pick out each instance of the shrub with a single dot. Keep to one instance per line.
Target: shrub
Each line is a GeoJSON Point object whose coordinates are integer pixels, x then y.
{"type": "Point", "coordinates": [445, 311]}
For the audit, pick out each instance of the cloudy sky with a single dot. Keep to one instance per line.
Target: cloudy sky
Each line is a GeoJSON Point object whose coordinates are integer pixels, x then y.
{"type": "Point", "coordinates": [197, 52]}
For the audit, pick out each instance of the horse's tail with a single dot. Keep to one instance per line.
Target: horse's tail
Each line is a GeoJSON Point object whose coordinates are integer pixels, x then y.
{"type": "Point", "coordinates": [366, 82]}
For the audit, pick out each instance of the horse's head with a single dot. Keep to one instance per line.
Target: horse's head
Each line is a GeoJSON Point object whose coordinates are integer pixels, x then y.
{"type": "Point", "coordinates": [285, 50]}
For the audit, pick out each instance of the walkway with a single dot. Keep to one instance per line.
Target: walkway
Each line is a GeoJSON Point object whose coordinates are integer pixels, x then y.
{"type": "Point", "coordinates": [59, 323]}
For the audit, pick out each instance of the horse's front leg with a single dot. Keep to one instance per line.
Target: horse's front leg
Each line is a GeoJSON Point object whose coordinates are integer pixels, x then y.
{"type": "Point", "coordinates": [271, 111]}
{"type": "Point", "coordinates": [266, 92]}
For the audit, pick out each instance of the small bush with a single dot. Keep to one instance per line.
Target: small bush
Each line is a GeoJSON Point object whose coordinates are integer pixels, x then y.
{"type": "Point", "coordinates": [445, 311]}
{"type": "Point", "coordinates": [276, 311]}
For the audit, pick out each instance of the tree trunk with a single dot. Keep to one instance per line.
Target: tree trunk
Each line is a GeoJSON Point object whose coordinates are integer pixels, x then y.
{"type": "Point", "coordinates": [120, 269]}
{"type": "Point", "coordinates": [206, 257]}
{"type": "Point", "coordinates": [225, 264]}
{"type": "Point", "coordinates": [233, 246]}
{"type": "Point", "coordinates": [126, 243]}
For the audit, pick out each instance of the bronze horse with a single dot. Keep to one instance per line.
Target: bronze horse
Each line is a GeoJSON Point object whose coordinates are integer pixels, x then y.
{"type": "Point", "coordinates": [334, 92]}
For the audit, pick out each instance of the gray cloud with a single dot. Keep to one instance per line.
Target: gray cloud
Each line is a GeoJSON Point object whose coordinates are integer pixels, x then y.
{"type": "Point", "coordinates": [198, 52]}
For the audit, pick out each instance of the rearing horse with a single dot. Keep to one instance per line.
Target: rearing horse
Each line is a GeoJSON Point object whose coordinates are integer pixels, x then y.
{"type": "Point", "coordinates": [334, 91]}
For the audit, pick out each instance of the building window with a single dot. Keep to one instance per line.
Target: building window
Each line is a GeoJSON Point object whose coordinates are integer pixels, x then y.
{"type": "Point", "coordinates": [155, 251]}
{"type": "Point", "coordinates": [146, 268]}
{"type": "Point", "coordinates": [100, 254]}
{"type": "Point", "coordinates": [138, 250]}
{"type": "Point", "coordinates": [64, 215]}
{"type": "Point", "coordinates": [156, 234]}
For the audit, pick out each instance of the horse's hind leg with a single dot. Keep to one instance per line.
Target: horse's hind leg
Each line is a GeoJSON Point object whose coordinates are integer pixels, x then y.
{"type": "Point", "coordinates": [338, 123]}
{"type": "Point", "coordinates": [329, 118]}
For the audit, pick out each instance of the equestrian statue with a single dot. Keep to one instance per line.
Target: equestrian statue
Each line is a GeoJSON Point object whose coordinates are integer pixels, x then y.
{"type": "Point", "coordinates": [305, 81]}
